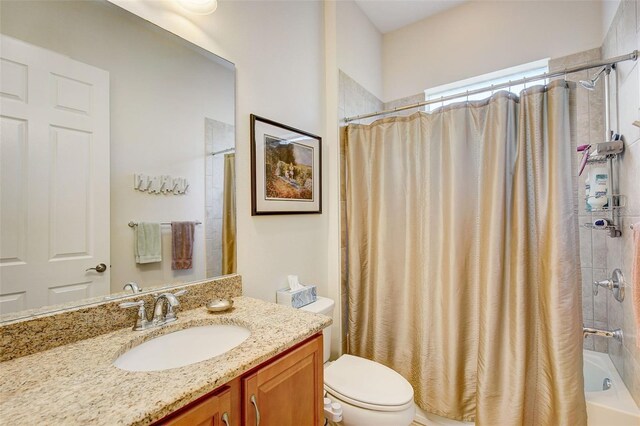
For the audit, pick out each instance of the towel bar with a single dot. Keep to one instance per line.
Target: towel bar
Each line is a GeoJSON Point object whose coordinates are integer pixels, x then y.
{"type": "Point", "coordinates": [134, 224]}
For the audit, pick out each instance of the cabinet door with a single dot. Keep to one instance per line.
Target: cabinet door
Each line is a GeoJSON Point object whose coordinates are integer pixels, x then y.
{"type": "Point", "coordinates": [288, 391]}
{"type": "Point", "coordinates": [212, 411]}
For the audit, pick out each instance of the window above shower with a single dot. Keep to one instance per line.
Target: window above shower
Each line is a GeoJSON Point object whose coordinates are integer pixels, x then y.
{"type": "Point", "coordinates": [486, 80]}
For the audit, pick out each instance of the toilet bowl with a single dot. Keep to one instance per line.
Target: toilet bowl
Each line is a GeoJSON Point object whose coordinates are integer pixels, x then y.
{"type": "Point", "coordinates": [370, 393]}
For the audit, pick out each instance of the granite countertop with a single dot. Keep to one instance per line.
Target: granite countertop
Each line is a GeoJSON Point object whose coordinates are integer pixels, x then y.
{"type": "Point", "coordinates": [77, 383]}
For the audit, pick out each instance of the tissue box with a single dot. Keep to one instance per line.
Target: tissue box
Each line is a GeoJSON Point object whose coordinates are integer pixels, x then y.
{"type": "Point", "coordinates": [297, 298]}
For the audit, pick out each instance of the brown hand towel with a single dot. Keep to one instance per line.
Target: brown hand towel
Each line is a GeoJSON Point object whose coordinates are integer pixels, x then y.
{"type": "Point", "coordinates": [182, 245]}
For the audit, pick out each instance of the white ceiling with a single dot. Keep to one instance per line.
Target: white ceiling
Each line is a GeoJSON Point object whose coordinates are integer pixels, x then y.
{"type": "Point", "coordinates": [389, 15]}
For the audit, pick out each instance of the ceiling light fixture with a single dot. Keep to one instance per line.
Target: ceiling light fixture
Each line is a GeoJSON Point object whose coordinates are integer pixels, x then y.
{"type": "Point", "coordinates": [199, 7]}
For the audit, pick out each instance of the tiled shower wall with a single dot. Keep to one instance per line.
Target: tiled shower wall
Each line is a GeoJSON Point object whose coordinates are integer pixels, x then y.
{"type": "Point", "coordinates": [600, 254]}
{"type": "Point", "coordinates": [623, 37]}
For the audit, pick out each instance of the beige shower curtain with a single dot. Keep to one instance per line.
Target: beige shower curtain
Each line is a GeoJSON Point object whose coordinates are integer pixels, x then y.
{"type": "Point", "coordinates": [462, 272]}
{"type": "Point", "coordinates": [229, 216]}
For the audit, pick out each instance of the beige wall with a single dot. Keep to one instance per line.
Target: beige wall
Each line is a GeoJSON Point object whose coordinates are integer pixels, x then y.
{"type": "Point", "coordinates": [480, 37]}
{"type": "Point", "coordinates": [161, 90]}
{"type": "Point", "coordinates": [359, 47]}
{"type": "Point", "coordinates": [277, 48]}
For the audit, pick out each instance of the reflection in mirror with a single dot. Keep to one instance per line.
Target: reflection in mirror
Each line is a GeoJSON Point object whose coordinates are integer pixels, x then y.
{"type": "Point", "coordinates": [112, 129]}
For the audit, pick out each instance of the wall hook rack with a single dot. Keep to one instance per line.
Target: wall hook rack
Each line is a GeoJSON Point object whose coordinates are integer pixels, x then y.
{"type": "Point", "coordinates": [163, 184]}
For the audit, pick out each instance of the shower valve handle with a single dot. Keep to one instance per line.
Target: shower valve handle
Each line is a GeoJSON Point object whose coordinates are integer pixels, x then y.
{"type": "Point", "coordinates": [608, 284]}
{"type": "Point", "coordinates": [615, 284]}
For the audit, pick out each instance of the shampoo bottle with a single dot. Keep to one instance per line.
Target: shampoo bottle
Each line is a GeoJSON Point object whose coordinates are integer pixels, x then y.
{"type": "Point", "coordinates": [599, 188]}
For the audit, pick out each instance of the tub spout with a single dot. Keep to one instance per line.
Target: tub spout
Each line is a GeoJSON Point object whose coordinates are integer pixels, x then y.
{"type": "Point", "coordinates": [615, 334]}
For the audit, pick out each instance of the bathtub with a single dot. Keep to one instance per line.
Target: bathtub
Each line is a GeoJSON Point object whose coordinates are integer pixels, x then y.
{"type": "Point", "coordinates": [611, 407]}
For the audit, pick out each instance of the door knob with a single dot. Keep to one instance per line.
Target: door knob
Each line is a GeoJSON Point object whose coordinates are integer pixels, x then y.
{"type": "Point", "coordinates": [100, 267]}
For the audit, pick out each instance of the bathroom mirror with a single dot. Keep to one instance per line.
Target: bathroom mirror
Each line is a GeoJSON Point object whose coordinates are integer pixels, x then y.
{"type": "Point", "coordinates": [109, 121]}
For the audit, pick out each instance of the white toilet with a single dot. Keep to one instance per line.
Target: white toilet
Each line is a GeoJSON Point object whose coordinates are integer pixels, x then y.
{"type": "Point", "coordinates": [370, 393]}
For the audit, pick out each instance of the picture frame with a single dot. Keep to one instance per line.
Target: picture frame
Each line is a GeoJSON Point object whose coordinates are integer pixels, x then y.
{"type": "Point", "coordinates": [286, 169]}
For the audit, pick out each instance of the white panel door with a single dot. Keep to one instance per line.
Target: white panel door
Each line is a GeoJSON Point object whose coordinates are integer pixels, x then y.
{"type": "Point", "coordinates": [54, 165]}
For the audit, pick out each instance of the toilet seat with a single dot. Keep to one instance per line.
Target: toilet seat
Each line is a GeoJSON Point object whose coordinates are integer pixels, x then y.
{"type": "Point", "coordinates": [367, 384]}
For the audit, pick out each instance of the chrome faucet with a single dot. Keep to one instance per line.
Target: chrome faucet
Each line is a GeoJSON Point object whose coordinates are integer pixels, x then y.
{"type": "Point", "coordinates": [615, 334]}
{"type": "Point", "coordinates": [159, 316]}
{"type": "Point", "coordinates": [135, 288]}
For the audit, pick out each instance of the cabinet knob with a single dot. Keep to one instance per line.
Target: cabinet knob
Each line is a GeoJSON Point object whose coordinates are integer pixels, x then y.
{"type": "Point", "coordinates": [225, 418]}
{"type": "Point", "coordinates": [255, 405]}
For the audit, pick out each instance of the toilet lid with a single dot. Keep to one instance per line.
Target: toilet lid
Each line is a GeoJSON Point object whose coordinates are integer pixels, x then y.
{"type": "Point", "coordinates": [367, 383]}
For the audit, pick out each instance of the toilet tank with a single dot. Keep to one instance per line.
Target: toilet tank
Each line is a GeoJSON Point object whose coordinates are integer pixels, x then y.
{"type": "Point", "coordinates": [323, 306]}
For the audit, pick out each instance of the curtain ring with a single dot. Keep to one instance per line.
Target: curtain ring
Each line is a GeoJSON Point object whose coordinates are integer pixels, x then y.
{"type": "Point", "coordinates": [441, 101]}
{"type": "Point", "coordinates": [467, 96]}
{"type": "Point", "coordinates": [492, 89]}
{"type": "Point", "coordinates": [509, 86]}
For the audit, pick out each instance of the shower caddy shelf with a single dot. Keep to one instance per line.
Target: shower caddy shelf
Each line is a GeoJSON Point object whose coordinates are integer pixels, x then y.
{"type": "Point", "coordinates": [616, 202]}
{"type": "Point", "coordinates": [609, 228]}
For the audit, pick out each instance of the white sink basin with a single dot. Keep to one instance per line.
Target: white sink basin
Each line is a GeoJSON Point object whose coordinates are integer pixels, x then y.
{"type": "Point", "coordinates": [183, 347]}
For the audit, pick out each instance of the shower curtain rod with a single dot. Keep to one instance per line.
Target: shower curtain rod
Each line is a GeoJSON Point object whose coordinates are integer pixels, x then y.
{"type": "Point", "coordinates": [589, 65]}
{"type": "Point", "coordinates": [223, 151]}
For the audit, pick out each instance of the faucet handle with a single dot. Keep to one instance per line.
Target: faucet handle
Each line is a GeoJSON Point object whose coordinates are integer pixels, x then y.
{"type": "Point", "coordinates": [137, 303]}
{"type": "Point", "coordinates": [177, 293]}
{"type": "Point", "coordinates": [171, 316]}
{"type": "Point", "coordinates": [141, 321]}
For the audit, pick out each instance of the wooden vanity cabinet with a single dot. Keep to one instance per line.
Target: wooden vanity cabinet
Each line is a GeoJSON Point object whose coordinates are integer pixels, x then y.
{"type": "Point", "coordinates": [213, 410]}
{"type": "Point", "coordinates": [287, 390]}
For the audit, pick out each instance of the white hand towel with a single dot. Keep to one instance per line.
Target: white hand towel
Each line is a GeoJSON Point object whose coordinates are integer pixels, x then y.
{"type": "Point", "coordinates": [148, 244]}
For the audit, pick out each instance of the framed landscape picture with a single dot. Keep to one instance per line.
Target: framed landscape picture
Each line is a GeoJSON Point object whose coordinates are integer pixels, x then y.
{"type": "Point", "coordinates": [286, 163]}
